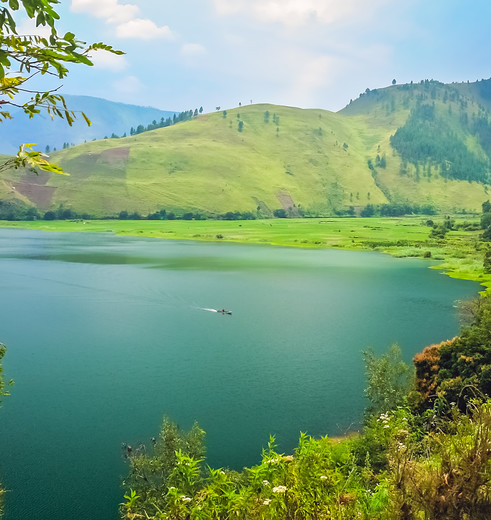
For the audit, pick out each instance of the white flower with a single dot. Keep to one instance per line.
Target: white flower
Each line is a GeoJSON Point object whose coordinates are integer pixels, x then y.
{"type": "Point", "coordinates": [273, 461]}
{"type": "Point", "coordinates": [323, 477]}
{"type": "Point", "coordinates": [279, 489]}
{"type": "Point", "coordinates": [267, 501]}
{"type": "Point", "coordinates": [186, 499]}
{"type": "Point", "coordinates": [265, 482]}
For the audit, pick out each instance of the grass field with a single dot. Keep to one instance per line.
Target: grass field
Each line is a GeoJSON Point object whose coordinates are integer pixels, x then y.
{"type": "Point", "coordinates": [460, 254]}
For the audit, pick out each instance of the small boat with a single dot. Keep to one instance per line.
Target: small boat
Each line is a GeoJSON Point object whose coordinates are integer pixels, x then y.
{"type": "Point", "coordinates": [223, 311]}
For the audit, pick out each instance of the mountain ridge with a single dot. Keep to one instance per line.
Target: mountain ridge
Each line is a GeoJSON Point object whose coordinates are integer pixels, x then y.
{"type": "Point", "coordinates": [425, 144]}
{"type": "Point", "coordinates": [107, 118]}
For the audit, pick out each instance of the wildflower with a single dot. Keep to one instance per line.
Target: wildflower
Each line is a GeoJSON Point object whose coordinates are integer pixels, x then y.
{"type": "Point", "coordinates": [273, 461]}
{"type": "Point", "coordinates": [279, 489]}
{"type": "Point", "coordinates": [185, 499]}
{"type": "Point", "coordinates": [265, 482]}
{"type": "Point", "coordinates": [323, 477]}
{"type": "Point", "coordinates": [267, 501]}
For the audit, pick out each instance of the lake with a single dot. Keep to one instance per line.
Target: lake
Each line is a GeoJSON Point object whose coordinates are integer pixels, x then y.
{"type": "Point", "coordinates": [106, 335]}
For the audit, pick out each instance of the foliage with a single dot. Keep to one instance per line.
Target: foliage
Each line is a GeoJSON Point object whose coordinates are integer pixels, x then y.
{"type": "Point", "coordinates": [319, 481]}
{"type": "Point", "coordinates": [458, 370]}
{"type": "Point", "coordinates": [173, 461]}
{"type": "Point", "coordinates": [487, 262]}
{"type": "Point", "coordinates": [447, 475]}
{"type": "Point", "coordinates": [17, 210]}
{"type": "Point", "coordinates": [397, 468]}
{"type": "Point", "coordinates": [186, 115]}
{"type": "Point", "coordinates": [23, 57]}
{"type": "Point", "coordinates": [428, 138]}
{"type": "Point", "coordinates": [397, 210]}
{"type": "Point", "coordinates": [427, 364]}
{"type": "Point", "coordinates": [389, 380]}
{"type": "Point", "coordinates": [486, 221]}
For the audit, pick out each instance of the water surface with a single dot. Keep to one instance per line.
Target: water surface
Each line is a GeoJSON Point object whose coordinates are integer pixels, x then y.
{"type": "Point", "coordinates": [106, 335]}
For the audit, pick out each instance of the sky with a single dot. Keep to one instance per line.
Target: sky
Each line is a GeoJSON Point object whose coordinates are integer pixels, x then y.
{"type": "Point", "coordinates": [184, 54]}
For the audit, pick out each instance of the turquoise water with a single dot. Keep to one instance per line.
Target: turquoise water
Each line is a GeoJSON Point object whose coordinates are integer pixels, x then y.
{"type": "Point", "coordinates": [106, 335]}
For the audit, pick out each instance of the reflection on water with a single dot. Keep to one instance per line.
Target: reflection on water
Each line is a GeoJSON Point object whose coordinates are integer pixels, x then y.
{"type": "Point", "coordinates": [106, 335]}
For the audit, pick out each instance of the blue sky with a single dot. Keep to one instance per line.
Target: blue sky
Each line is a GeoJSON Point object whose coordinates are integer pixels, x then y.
{"type": "Point", "coordinates": [183, 54]}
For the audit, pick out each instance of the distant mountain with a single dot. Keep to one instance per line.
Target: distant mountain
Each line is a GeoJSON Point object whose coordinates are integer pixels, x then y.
{"type": "Point", "coordinates": [107, 118]}
{"type": "Point", "coordinates": [416, 147]}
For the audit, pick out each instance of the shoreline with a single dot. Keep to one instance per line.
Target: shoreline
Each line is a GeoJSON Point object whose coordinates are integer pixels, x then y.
{"type": "Point", "coordinates": [458, 256]}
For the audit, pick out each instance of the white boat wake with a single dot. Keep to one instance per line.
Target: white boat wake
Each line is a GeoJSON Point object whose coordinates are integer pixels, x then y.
{"type": "Point", "coordinates": [219, 311]}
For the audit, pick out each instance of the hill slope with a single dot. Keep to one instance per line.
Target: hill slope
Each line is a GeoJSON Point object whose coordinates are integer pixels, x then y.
{"type": "Point", "coordinates": [425, 144]}
{"type": "Point", "coordinates": [107, 117]}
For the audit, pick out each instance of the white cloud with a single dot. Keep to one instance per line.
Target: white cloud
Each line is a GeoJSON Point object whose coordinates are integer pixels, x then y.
{"type": "Point", "coordinates": [129, 85]}
{"type": "Point", "coordinates": [142, 29]}
{"type": "Point", "coordinates": [108, 61]}
{"type": "Point", "coordinates": [111, 10]}
{"type": "Point", "coordinates": [124, 16]}
{"type": "Point", "coordinates": [298, 12]}
{"type": "Point", "coordinates": [193, 49]}
{"type": "Point", "coordinates": [28, 26]}
{"type": "Point", "coordinates": [313, 74]}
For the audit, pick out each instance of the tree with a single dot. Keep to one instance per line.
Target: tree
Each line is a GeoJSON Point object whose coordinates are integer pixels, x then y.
{"type": "Point", "coordinates": [152, 470]}
{"type": "Point", "coordinates": [24, 57]}
{"type": "Point", "coordinates": [487, 261]}
{"type": "Point", "coordinates": [367, 211]}
{"type": "Point", "coordinates": [461, 367]}
{"type": "Point", "coordinates": [280, 213]}
{"type": "Point", "coordinates": [389, 380]}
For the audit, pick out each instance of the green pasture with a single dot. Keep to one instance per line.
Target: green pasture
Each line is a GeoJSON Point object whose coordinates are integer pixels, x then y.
{"type": "Point", "coordinates": [460, 254]}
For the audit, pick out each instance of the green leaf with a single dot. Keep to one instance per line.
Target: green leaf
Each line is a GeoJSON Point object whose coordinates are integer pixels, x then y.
{"type": "Point", "coordinates": [87, 120]}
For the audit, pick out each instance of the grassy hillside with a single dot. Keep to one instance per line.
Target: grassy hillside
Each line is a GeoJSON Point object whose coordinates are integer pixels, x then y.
{"type": "Point", "coordinates": [262, 158]}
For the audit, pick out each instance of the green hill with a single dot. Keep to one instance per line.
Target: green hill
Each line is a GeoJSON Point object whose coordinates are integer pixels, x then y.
{"type": "Point", "coordinates": [425, 144]}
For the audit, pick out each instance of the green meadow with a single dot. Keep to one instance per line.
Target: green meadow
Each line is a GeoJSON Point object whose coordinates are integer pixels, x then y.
{"type": "Point", "coordinates": [459, 254]}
